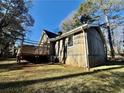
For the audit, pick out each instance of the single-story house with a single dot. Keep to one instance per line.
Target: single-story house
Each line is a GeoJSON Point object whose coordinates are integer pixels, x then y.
{"type": "Point", "coordinates": [83, 46]}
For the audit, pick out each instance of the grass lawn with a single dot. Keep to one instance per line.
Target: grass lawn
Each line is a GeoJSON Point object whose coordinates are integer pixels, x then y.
{"type": "Point", "coordinates": [56, 78]}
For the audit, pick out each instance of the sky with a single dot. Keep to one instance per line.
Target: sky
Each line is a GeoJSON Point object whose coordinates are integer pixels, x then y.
{"type": "Point", "coordinates": [48, 14]}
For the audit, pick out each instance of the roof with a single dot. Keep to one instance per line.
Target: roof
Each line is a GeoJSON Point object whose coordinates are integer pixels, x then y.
{"type": "Point", "coordinates": [50, 34]}
{"type": "Point", "coordinates": [54, 37]}
{"type": "Point", "coordinates": [71, 32]}
{"type": "Point", "coordinates": [78, 29]}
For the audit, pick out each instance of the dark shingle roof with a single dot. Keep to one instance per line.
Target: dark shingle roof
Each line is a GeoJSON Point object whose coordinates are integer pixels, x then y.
{"type": "Point", "coordinates": [50, 34]}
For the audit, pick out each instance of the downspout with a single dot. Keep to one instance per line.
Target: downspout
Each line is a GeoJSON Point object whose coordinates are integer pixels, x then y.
{"type": "Point", "coordinates": [86, 50]}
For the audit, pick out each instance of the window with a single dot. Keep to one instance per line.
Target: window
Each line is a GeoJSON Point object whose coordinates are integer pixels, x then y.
{"type": "Point", "coordinates": [70, 41]}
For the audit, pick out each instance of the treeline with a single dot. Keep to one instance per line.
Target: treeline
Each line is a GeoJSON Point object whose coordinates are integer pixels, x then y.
{"type": "Point", "coordinates": [14, 23]}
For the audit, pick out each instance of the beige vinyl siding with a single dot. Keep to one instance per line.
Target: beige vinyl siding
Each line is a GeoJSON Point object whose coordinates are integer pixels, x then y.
{"type": "Point", "coordinates": [75, 55]}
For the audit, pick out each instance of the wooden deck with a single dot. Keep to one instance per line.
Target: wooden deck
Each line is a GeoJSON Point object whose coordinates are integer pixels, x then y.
{"type": "Point", "coordinates": [33, 53]}
{"type": "Point", "coordinates": [33, 50]}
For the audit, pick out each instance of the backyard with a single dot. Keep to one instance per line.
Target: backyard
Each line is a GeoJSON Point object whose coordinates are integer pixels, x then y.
{"type": "Point", "coordinates": [58, 78]}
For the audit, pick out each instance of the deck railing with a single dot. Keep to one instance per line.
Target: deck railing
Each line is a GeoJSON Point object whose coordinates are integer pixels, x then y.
{"type": "Point", "coordinates": [42, 50]}
{"type": "Point", "coordinates": [35, 50]}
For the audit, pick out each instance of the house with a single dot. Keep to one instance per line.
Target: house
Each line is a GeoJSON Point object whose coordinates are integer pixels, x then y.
{"type": "Point", "coordinates": [83, 46]}
{"type": "Point", "coordinates": [46, 43]}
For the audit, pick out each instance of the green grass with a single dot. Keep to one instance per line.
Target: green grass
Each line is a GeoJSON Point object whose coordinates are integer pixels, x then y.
{"type": "Point", "coordinates": [57, 78]}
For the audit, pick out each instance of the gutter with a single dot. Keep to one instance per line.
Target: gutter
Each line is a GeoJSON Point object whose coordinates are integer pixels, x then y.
{"type": "Point", "coordinates": [71, 32]}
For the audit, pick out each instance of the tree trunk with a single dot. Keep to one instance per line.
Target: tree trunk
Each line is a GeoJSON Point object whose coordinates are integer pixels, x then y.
{"type": "Point", "coordinates": [109, 31]}
{"type": "Point", "coordinates": [109, 36]}
{"type": "Point", "coordinates": [110, 42]}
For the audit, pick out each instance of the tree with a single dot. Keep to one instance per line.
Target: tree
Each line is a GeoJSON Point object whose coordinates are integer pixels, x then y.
{"type": "Point", "coordinates": [106, 12]}
{"type": "Point", "coordinates": [14, 19]}
{"type": "Point", "coordinates": [109, 9]}
{"type": "Point", "coordinates": [73, 20]}
{"type": "Point", "coordinates": [69, 22]}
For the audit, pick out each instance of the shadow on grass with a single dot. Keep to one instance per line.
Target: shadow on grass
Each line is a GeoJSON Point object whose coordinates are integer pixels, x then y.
{"type": "Point", "coordinates": [7, 59]}
{"type": "Point", "coordinates": [22, 65]}
{"type": "Point", "coordinates": [10, 66]}
{"type": "Point", "coordinates": [17, 84]}
{"type": "Point", "coordinates": [13, 66]}
{"type": "Point", "coordinates": [114, 63]}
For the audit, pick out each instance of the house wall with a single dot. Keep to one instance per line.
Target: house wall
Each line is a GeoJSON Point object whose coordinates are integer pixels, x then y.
{"type": "Point", "coordinates": [96, 48]}
{"type": "Point", "coordinates": [72, 55]}
{"type": "Point", "coordinates": [44, 45]}
{"type": "Point", "coordinates": [44, 40]}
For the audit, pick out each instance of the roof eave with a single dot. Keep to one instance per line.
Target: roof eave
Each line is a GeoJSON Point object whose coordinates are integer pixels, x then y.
{"type": "Point", "coordinates": [71, 32]}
